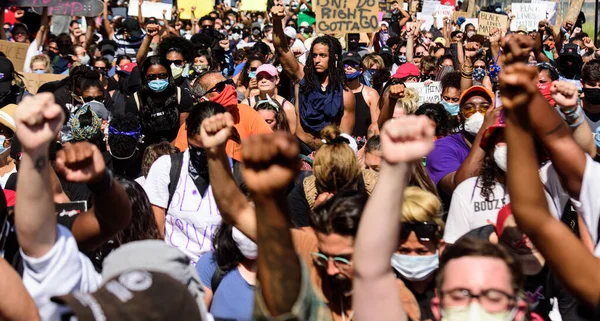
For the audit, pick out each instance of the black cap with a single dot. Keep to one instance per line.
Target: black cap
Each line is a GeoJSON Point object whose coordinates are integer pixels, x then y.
{"type": "Point", "coordinates": [7, 71]}
{"type": "Point", "coordinates": [385, 50]}
{"type": "Point", "coordinates": [570, 50]}
{"type": "Point", "coordinates": [351, 57]}
{"type": "Point", "coordinates": [133, 27]}
{"type": "Point", "coordinates": [151, 21]}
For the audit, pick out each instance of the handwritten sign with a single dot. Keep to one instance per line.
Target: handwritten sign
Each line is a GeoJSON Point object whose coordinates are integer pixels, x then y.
{"type": "Point", "coordinates": [82, 8]}
{"type": "Point", "coordinates": [528, 15]}
{"type": "Point", "coordinates": [150, 9]}
{"type": "Point", "coordinates": [203, 7]}
{"type": "Point", "coordinates": [346, 16]}
{"type": "Point", "coordinates": [427, 94]}
{"type": "Point", "coordinates": [34, 81]}
{"type": "Point", "coordinates": [15, 52]}
{"type": "Point", "coordinates": [254, 5]}
{"type": "Point", "coordinates": [489, 21]}
{"type": "Point", "coordinates": [551, 10]}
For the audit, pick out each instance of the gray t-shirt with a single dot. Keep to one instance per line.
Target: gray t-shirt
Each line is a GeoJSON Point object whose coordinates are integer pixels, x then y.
{"type": "Point", "coordinates": [593, 120]}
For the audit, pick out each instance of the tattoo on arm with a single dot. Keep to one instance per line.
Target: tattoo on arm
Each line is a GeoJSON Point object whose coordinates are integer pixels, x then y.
{"type": "Point", "coordinates": [40, 163]}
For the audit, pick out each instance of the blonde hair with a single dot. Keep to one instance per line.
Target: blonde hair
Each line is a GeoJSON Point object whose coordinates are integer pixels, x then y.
{"type": "Point", "coordinates": [410, 102]}
{"type": "Point", "coordinates": [422, 206]}
{"type": "Point", "coordinates": [372, 59]}
{"type": "Point", "coordinates": [335, 166]}
{"type": "Point", "coordinates": [41, 58]}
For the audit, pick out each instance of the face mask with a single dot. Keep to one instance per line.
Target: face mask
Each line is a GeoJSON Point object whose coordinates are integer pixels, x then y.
{"type": "Point", "coordinates": [200, 68]}
{"type": "Point", "coordinates": [245, 245]}
{"type": "Point", "coordinates": [270, 37]}
{"type": "Point", "coordinates": [473, 124]}
{"type": "Point", "coordinates": [259, 20]}
{"type": "Point", "coordinates": [158, 85]}
{"type": "Point", "coordinates": [415, 268]}
{"type": "Point", "coordinates": [545, 90]}
{"type": "Point", "coordinates": [498, 10]}
{"type": "Point", "coordinates": [352, 45]}
{"type": "Point", "coordinates": [306, 35]}
{"type": "Point", "coordinates": [500, 156]}
{"type": "Point", "coordinates": [470, 34]}
{"type": "Point", "coordinates": [176, 71]}
{"type": "Point", "coordinates": [402, 59]}
{"type": "Point", "coordinates": [592, 95]}
{"type": "Point", "coordinates": [235, 36]}
{"type": "Point", "coordinates": [227, 98]}
{"type": "Point", "coordinates": [252, 74]}
{"type": "Point", "coordinates": [475, 312]}
{"type": "Point", "coordinates": [478, 74]}
{"type": "Point", "coordinates": [227, 27]}
{"type": "Point", "coordinates": [39, 72]}
{"type": "Point", "coordinates": [353, 75]}
{"type": "Point", "coordinates": [451, 108]}
{"type": "Point", "coordinates": [2, 140]}
{"type": "Point", "coordinates": [84, 60]}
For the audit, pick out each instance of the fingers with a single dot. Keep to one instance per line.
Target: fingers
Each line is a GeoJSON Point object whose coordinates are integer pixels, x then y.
{"type": "Point", "coordinates": [76, 156]}
{"type": "Point", "coordinates": [217, 122]}
{"type": "Point", "coordinates": [33, 110]}
{"type": "Point", "coordinates": [262, 150]}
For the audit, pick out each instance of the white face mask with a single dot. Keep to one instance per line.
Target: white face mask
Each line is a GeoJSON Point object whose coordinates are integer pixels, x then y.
{"type": "Point", "coordinates": [415, 268]}
{"type": "Point", "coordinates": [270, 37]}
{"type": "Point", "coordinates": [248, 248]}
{"type": "Point", "coordinates": [84, 60]}
{"type": "Point", "coordinates": [473, 124]}
{"type": "Point", "coordinates": [470, 34]}
{"type": "Point", "coordinates": [235, 36]}
{"type": "Point", "coordinates": [475, 312]}
{"type": "Point", "coordinates": [500, 156]}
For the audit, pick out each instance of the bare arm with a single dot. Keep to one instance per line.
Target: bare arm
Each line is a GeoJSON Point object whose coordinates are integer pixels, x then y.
{"type": "Point", "coordinates": [286, 57]}
{"type": "Point", "coordinates": [144, 48]}
{"type": "Point", "coordinates": [347, 123]}
{"type": "Point", "coordinates": [106, 22]}
{"type": "Point", "coordinates": [89, 32]}
{"type": "Point", "coordinates": [41, 34]}
{"type": "Point", "coordinates": [19, 305]}
{"type": "Point", "coordinates": [405, 17]}
{"type": "Point", "coordinates": [140, 16]}
{"type": "Point", "coordinates": [388, 102]}
{"type": "Point", "coordinates": [159, 216]}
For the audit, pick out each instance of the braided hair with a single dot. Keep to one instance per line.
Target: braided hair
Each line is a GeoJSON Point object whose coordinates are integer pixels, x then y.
{"type": "Point", "coordinates": [337, 75]}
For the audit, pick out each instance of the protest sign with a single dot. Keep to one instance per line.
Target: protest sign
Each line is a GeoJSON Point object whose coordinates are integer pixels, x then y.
{"type": "Point", "coordinates": [82, 8]}
{"type": "Point", "coordinates": [457, 14]}
{"type": "Point", "coordinates": [346, 16]}
{"type": "Point", "coordinates": [150, 9]}
{"type": "Point", "coordinates": [573, 11]}
{"type": "Point", "coordinates": [429, 7]}
{"type": "Point", "coordinates": [488, 21]}
{"type": "Point", "coordinates": [427, 94]}
{"type": "Point", "coordinates": [254, 5]}
{"type": "Point", "coordinates": [15, 52]}
{"type": "Point", "coordinates": [34, 81]}
{"type": "Point", "coordinates": [528, 15]}
{"type": "Point", "coordinates": [203, 7]}
{"type": "Point", "coordinates": [551, 10]}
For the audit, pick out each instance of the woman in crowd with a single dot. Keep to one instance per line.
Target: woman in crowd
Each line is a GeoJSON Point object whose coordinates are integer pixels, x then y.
{"type": "Point", "coordinates": [78, 54]}
{"type": "Point", "coordinates": [40, 64]}
{"type": "Point", "coordinates": [273, 114]}
{"type": "Point", "coordinates": [151, 154]}
{"type": "Point", "coordinates": [438, 114]}
{"type": "Point", "coordinates": [407, 105]}
{"type": "Point", "coordinates": [247, 82]}
{"type": "Point", "coordinates": [160, 104]}
{"type": "Point", "coordinates": [371, 63]}
{"type": "Point", "coordinates": [178, 52]}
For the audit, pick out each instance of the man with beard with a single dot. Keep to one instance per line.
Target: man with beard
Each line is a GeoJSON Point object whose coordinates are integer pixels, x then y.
{"type": "Point", "coordinates": [212, 86]}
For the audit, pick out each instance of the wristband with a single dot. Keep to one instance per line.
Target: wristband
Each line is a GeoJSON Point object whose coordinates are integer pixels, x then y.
{"type": "Point", "coordinates": [103, 185]}
{"type": "Point", "coordinates": [581, 120]}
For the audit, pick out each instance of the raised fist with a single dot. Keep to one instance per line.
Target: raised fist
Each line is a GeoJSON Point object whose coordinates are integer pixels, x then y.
{"type": "Point", "coordinates": [565, 94]}
{"type": "Point", "coordinates": [81, 163]}
{"type": "Point", "coordinates": [517, 48]}
{"type": "Point", "coordinates": [407, 139]}
{"type": "Point", "coordinates": [517, 85]}
{"type": "Point", "coordinates": [397, 91]}
{"type": "Point", "coordinates": [278, 12]}
{"type": "Point", "coordinates": [38, 120]}
{"type": "Point", "coordinates": [215, 131]}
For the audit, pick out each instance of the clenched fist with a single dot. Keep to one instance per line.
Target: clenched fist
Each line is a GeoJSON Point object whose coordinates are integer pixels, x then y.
{"type": "Point", "coordinates": [38, 120]}
{"type": "Point", "coordinates": [407, 139]}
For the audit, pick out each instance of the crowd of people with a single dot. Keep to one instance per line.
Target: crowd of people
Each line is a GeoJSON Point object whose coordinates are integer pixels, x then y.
{"type": "Point", "coordinates": [241, 166]}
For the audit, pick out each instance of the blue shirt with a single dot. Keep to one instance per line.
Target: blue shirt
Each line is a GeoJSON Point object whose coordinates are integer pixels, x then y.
{"type": "Point", "coordinates": [234, 298]}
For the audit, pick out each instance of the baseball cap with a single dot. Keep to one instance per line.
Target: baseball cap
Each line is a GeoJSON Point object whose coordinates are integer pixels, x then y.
{"type": "Point", "coordinates": [97, 107]}
{"type": "Point", "coordinates": [256, 25]}
{"type": "Point", "coordinates": [407, 70]}
{"type": "Point", "coordinates": [304, 24]}
{"type": "Point", "coordinates": [133, 27]}
{"type": "Point", "coordinates": [476, 91]}
{"type": "Point", "coordinates": [570, 50]}
{"type": "Point", "coordinates": [134, 295]}
{"type": "Point", "coordinates": [351, 57]}
{"type": "Point", "coordinates": [490, 131]}
{"type": "Point", "coordinates": [151, 21]}
{"type": "Point", "coordinates": [7, 114]}
{"type": "Point", "coordinates": [6, 74]}
{"type": "Point", "coordinates": [268, 69]}
{"type": "Point", "coordinates": [290, 32]}
{"type": "Point", "coordinates": [440, 40]}
{"type": "Point", "coordinates": [385, 50]}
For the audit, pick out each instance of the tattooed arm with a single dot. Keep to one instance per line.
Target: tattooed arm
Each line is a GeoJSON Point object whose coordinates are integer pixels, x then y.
{"type": "Point", "coordinates": [270, 164]}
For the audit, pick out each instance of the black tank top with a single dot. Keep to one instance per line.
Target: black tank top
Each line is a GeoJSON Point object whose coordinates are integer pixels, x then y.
{"type": "Point", "coordinates": [362, 115]}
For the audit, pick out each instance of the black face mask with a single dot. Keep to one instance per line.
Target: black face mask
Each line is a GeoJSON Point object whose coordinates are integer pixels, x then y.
{"type": "Point", "coordinates": [592, 95]}
{"type": "Point", "coordinates": [198, 168]}
{"type": "Point", "coordinates": [352, 45]}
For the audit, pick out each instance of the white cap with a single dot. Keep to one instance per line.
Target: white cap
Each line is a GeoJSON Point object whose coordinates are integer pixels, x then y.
{"type": "Point", "coordinates": [384, 23]}
{"type": "Point", "coordinates": [304, 24]}
{"type": "Point", "coordinates": [290, 32]}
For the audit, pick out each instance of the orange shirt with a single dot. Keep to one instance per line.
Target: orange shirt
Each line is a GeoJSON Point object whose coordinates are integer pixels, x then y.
{"type": "Point", "coordinates": [247, 122]}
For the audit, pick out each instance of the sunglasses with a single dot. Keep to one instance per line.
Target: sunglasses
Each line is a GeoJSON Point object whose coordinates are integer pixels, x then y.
{"type": "Point", "coordinates": [425, 231]}
{"type": "Point", "coordinates": [101, 68]}
{"type": "Point", "coordinates": [350, 65]}
{"type": "Point", "coordinates": [90, 98]}
{"type": "Point", "coordinates": [177, 63]}
{"type": "Point", "coordinates": [206, 27]}
{"type": "Point", "coordinates": [219, 87]}
{"type": "Point", "coordinates": [157, 76]}
{"type": "Point", "coordinates": [418, 54]}
{"type": "Point", "coordinates": [253, 68]}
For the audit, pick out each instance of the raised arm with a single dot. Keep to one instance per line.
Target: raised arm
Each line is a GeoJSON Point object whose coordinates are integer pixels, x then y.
{"type": "Point", "coordinates": [270, 164]}
{"type": "Point", "coordinates": [83, 163]}
{"type": "Point", "coordinates": [233, 205]}
{"type": "Point", "coordinates": [140, 16]}
{"type": "Point", "coordinates": [106, 22]}
{"type": "Point", "coordinates": [38, 121]}
{"type": "Point", "coordinates": [388, 102]}
{"type": "Point", "coordinates": [466, 77]}
{"type": "Point", "coordinates": [405, 141]}
{"type": "Point", "coordinates": [40, 37]}
{"type": "Point", "coordinates": [576, 267]}
{"type": "Point", "coordinates": [288, 61]}
{"type": "Point", "coordinates": [151, 31]}
{"type": "Point", "coordinates": [89, 32]}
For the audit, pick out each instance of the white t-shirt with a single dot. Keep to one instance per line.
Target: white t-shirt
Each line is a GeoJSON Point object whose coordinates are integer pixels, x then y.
{"type": "Point", "coordinates": [61, 271]}
{"type": "Point", "coordinates": [469, 210]}
{"type": "Point", "coordinates": [588, 204]}
{"type": "Point", "coordinates": [191, 219]}
{"type": "Point", "coordinates": [33, 50]}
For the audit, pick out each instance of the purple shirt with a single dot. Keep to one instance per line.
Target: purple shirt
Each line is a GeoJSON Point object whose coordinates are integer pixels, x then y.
{"type": "Point", "coordinates": [447, 156]}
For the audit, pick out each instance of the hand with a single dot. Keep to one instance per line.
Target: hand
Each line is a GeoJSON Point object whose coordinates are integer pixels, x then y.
{"type": "Point", "coordinates": [19, 14]}
{"type": "Point", "coordinates": [253, 84]}
{"type": "Point", "coordinates": [587, 41]}
{"type": "Point", "coordinates": [490, 118]}
{"type": "Point", "coordinates": [322, 198]}
{"type": "Point", "coordinates": [164, 12]}
{"type": "Point", "coordinates": [81, 163]}
{"type": "Point", "coordinates": [428, 82]}
{"type": "Point", "coordinates": [517, 85]}
{"type": "Point", "coordinates": [470, 50]}
{"type": "Point", "coordinates": [224, 44]}
{"type": "Point", "coordinates": [193, 8]}
{"type": "Point", "coordinates": [517, 48]}
{"type": "Point", "coordinates": [495, 35]}
{"type": "Point", "coordinates": [270, 162]}
{"type": "Point", "coordinates": [174, 10]}
{"type": "Point", "coordinates": [397, 91]}
{"type": "Point", "coordinates": [180, 10]}
{"type": "Point", "coordinates": [565, 94]}
{"type": "Point", "coordinates": [38, 121]}
{"type": "Point", "coordinates": [278, 12]}
{"type": "Point", "coordinates": [106, 3]}
{"type": "Point", "coordinates": [140, 3]}
{"type": "Point", "coordinates": [407, 139]}
{"type": "Point", "coordinates": [576, 31]}
{"type": "Point", "coordinates": [215, 131]}
{"type": "Point", "coordinates": [152, 30]}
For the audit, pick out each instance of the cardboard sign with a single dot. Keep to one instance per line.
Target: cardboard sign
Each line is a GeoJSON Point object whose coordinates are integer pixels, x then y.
{"type": "Point", "coordinates": [528, 15]}
{"type": "Point", "coordinates": [434, 7]}
{"type": "Point", "coordinates": [203, 7]}
{"type": "Point", "coordinates": [34, 81]}
{"type": "Point", "coordinates": [346, 16]}
{"type": "Point", "coordinates": [489, 21]}
{"type": "Point", "coordinates": [81, 8]}
{"type": "Point", "coordinates": [457, 14]}
{"type": "Point", "coordinates": [427, 94]}
{"type": "Point", "coordinates": [15, 52]}
{"type": "Point", "coordinates": [150, 9]}
{"type": "Point", "coordinates": [551, 10]}
{"type": "Point", "coordinates": [254, 5]}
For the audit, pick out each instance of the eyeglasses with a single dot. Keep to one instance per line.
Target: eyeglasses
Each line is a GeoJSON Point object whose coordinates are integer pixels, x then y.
{"type": "Point", "coordinates": [425, 231]}
{"type": "Point", "coordinates": [177, 63]}
{"type": "Point", "coordinates": [157, 76]}
{"type": "Point", "coordinates": [219, 87]}
{"type": "Point", "coordinates": [90, 98]}
{"type": "Point", "coordinates": [418, 54]}
{"type": "Point", "coordinates": [492, 300]}
{"type": "Point", "coordinates": [322, 260]}
{"type": "Point", "coordinates": [469, 109]}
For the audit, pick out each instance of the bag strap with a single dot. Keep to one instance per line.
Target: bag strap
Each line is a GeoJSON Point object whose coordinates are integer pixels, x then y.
{"type": "Point", "coordinates": [178, 96]}
{"type": "Point", "coordinates": [216, 279]}
{"type": "Point", "coordinates": [137, 100]}
{"type": "Point", "coordinates": [174, 173]}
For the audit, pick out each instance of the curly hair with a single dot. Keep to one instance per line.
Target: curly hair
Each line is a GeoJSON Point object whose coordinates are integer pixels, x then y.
{"type": "Point", "coordinates": [439, 115]}
{"type": "Point", "coordinates": [179, 44]}
{"type": "Point", "coordinates": [489, 170]}
{"type": "Point", "coordinates": [244, 79]}
{"type": "Point", "coordinates": [123, 145]}
{"type": "Point", "coordinates": [153, 152]}
{"type": "Point", "coordinates": [337, 75]}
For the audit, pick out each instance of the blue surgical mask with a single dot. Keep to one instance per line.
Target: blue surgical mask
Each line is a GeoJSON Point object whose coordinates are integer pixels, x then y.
{"type": "Point", "coordinates": [39, 71]}
{"type": "Point", "coordinates": [158, 85]}
{"type": "Point", "coordinates": [353, 75]}
{"type": "Point", "coordinates": [415, 268]}
{"type": "Point", "coordinates": [451, 108]}
{"type": "Point", "coordinates": [2, 148]}
{"type": "Point", "coordinates": [252, 74]}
